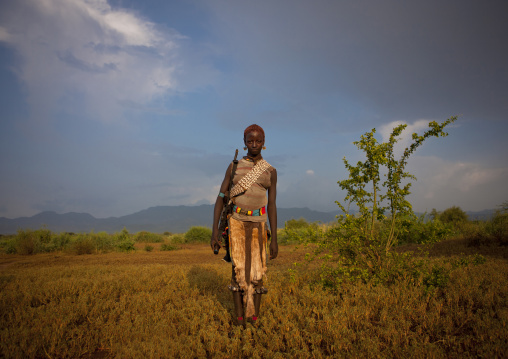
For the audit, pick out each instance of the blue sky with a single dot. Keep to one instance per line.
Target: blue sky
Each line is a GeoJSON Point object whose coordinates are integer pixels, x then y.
{"type": "Point", "coordinates": [111, 107]}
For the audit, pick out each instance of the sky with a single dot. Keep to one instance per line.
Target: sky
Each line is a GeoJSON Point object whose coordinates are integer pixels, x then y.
{"type": "Point", "coordinates": [112, 107]}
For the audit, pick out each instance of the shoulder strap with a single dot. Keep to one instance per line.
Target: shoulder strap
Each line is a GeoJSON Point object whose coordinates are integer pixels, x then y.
{"type": "Point", "coordinates": [249, 179]}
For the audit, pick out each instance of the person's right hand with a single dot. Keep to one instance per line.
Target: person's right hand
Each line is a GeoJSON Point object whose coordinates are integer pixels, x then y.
{"type": "Point", "coordinates": [214, 242]}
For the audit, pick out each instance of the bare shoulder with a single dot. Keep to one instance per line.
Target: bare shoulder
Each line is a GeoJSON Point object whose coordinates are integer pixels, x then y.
{"type": "Point", "coordinates": [228, 172]}
{"type": "Point", "coordinates": [273, 175]}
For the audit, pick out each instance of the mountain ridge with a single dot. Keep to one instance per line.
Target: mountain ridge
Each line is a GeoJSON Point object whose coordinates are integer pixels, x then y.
{"type": "Point", "coordinates": [159, 219]}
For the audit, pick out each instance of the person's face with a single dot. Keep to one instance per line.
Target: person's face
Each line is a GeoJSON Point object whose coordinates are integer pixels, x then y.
{"type": "Point", "coordinates": [254, 142]}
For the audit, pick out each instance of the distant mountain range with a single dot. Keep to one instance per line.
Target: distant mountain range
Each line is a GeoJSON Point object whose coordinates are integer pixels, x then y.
{"type": "Point", "coordinates": [175, 219]}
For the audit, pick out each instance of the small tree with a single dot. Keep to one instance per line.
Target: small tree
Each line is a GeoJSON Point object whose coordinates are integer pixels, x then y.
{"type": "Point", "coordinates": [198, 234]}
{"type": "Point", "coordinates": [453, 215]}
{"type": "Point", "coordinates": [373, 198]}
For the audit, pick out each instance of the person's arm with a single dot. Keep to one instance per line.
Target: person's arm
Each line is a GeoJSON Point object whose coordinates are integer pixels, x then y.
{"type": "Point", "coordinates": [217, 210]}
{"type": "Point", "coordinates": [272, 215]}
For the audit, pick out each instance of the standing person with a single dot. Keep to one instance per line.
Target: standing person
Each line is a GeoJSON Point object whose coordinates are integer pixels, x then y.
{"type": "Point", "coordinates": [253, 178]}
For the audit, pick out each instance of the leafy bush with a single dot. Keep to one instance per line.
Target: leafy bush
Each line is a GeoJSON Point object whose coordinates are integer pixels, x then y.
{"type": "Point", "coordinates": [168, 247]}
{"type": "Point", "coordinates": [493, 232]}
{"type": "Point", "coordinates": [83, 244]}
{"type": "Point", "coordinates": [437, 278]}
{"type": "Point", "coordinates": [45, 240]}
{"type": "Point", "coordinates": [124, 242]}
{"type": "Point", "coordinates": [299, 231]}
{"type": "Point", "coordinates": [454, 215]}
{"type": "Point", "coordinates": [420, 231]}
{"type": "Point", "coordinates": [148, 237]}
{"type": "Point", "coordinates": [9, 244]}
{"type": "Point", "coordinates": [464, 261]}
{"type": "Point", "coordinates": [103, 241]}
{"type": "Point", "coordinates": [61, 240]}
{"type": "Point", "coordinates": [349, 255]}
{"type": "Point", "coordinates": [148, 248]}
{"type": "Point", "coordinates": [29, 242]}
{"type": "Point", "coordinates": [346, 257]}
{"type": "Point", "coordinates": [177, 238]}
{"type": "Point", "coordinates": [198, 234]}
{"type": "Point", "coordinates": [499, 227]}
{"type": "Point", "coordinates": [295, 224]}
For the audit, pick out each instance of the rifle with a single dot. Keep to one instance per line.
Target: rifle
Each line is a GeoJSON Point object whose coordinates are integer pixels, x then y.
{"type": "Point", "coordinates": [227, 210]}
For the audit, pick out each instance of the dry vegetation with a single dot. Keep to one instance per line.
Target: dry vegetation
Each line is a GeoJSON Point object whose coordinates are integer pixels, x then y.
{"type": "Point", "coordinates": [175, 304]}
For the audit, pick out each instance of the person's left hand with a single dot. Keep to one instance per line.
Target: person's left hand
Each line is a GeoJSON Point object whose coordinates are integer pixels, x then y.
{"type": "Point", "coordinates": [274, 249]}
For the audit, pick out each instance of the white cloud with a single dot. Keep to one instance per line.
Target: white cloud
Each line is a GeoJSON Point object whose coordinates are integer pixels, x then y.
{"type": "Point", "coordinates": [310, 172]}
{"type": "Point", "coordinates": [465, 177]}
{"type": "Point", "coordinates": [405, 139]}
{"type": "Point", "coordinates": [313, 191]}
{"type": "Point", "coordinates": [442, 184]}
{"type": "Point", "coordinates": [417, 126]}
{"type": "Point", "coordinates": [85, 56]}
{"type": "Point", "coordinates": [4, 35]}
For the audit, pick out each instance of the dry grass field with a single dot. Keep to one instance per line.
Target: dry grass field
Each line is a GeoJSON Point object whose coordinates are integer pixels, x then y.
{"type": "Point", "coordinates": [175, 304]}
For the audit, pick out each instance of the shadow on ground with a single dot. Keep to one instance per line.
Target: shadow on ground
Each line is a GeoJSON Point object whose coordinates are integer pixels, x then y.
{"type": "Point", "coordinates": [210, 283]}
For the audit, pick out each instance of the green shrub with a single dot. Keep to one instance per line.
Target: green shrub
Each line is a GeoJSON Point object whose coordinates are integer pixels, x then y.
{"type": "Point", "coordinates": [103, 241]}
{"type": "Point", "coordinates": [177, 238]}
{"type": "Point", "coordinates": [8, 243]}
{"type": "Point", "coordinates": [464, 261]}
{"type": "Point", "coordinates": [499, 227]}
{"type": "Point", "coordinates": [493, 232]}
{"type": "Point", "coordinates": [198, 234]}
{"type": "Point", "coordinates": [420, 231]}
{"type": "Point", "coordinates": [124, 242]}
{"type": "Point", "coordinates": [61, 240]}
{"type": "Point", "coordinates": [38, 241]}
{"type": "Point", "coordinates": [45, 237]}
{"type": "Point", "coordinates": [125, 245]}
{"type": "Point", "coordinates": [299, 231]}
{"type": "Point", "coordinates": [83, 244]}
{"type": "Point", "coordinates": [437, 278]}
{"type": "Point", "coordinates": [349, 256]}
{"type": "Point", "coordinates": [296, 224]}
{"type": "Point", "coordinates": [27, 242]}
{"type": "Point", "coordinates": [10, 247]}
{"type": "Point", "coordinates": [168, 247]}
{"type": "Point", "coordinates": [148, 237]}
{"type": "Point", "coordinates": [148, 248]}
{"type": "Point", "coordinates": [454, 215]}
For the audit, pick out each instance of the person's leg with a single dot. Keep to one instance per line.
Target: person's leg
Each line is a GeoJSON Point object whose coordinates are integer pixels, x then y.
{"type": "Point", "coordinates": [257, 305]}
{"type": "Point", "coordinates": [238, 302]}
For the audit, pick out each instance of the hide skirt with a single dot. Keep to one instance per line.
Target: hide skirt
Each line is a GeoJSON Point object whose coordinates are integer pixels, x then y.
{"type": "Point", "coordinates": [247, 246]}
